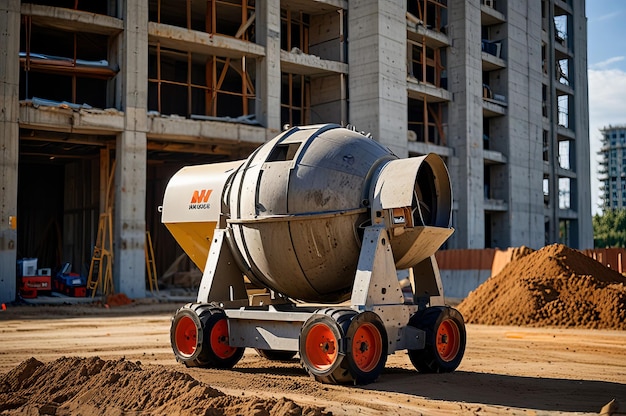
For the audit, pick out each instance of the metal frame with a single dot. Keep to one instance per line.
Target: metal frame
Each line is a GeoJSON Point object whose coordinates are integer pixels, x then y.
{"type": "Point", "coordinates": [277, 326]}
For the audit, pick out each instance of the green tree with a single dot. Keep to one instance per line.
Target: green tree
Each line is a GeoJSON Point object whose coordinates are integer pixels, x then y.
{"type": "Point", "coordinates": [609, 229]}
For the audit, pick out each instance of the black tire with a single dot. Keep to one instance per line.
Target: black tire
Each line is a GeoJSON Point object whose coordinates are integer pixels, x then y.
{"type": "Point", "coordinates": [367, 346]}
{"type": "Point", "coordinates": [276, 355]}
{"type": "Point", "coordinates": [199, 337]}
{"type": "Point", "coordinates": [322, 345]}
{"type": "Point", "coordinates": [445, 339]}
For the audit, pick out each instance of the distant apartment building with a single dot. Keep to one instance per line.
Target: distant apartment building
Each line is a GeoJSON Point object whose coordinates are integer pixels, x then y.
{"type": "Point", "coordinates": [103, 101]}
{"type": "Point", "coordinates": [613, 168]}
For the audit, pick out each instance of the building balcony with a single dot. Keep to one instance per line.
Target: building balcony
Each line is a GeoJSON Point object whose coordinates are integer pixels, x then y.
{"type": "Point", "coordinates": [562, 51]}
{"type": "Point", "coordinates": [563, 89]}
{"type": "Point", "coordinates": [489, 15]}
{"type": "Point", "coordinates": [418, 32]}
{"type": "Point", "coordinates": [422, 148]}
{"type": "Point", "coordinates": [493, 108]}
{"type": "Point", "coordinates": [495, 205]}
{"type": "Point", "coordinates": [80, 120]}
{"type": "Point", "coordinates": [219, 133]}
{"type": "Point", "coordinates": [493, 157]}
{"type": "Point", "coordinates": [567, 214]}
{"type": "Point", "coordinates": [423, 90]}
{"type": "Point", "coordinates": [562, 7]}
{"type": "Point", "coordinates": [63, 117]}
{"type": "Point", "coordinates": [79, 21]}
{"type": "Point", "coordinates": [566, 173]}
{"type": "Point", "coordinates": [181, 39]}
{"type": "Point", "coordinates": [565, 133]}
{"type": "Point", "coordinates": [296, 62]}
{"type": "Point", "coordinates": [492, 62]}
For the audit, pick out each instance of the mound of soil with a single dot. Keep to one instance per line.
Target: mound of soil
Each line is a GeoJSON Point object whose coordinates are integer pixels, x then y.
{"type": "Point", "coordinates": [91, 386]}
{"type": "Point", "coordinates": [118, 299]}
{"type": "Point", "coordinates": [554, 286]}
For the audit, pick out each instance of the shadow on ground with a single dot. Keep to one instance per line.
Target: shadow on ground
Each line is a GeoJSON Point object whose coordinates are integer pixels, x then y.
{"type": "Point", "coordinates": [540, 393]}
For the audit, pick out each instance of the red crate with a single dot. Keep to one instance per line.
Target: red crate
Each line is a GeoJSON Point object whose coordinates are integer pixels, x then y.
{"type": "Point", "coordinates": [75, 291]}
{"type": "Point", "coordinates": [37, 283]}
{"type": "Point", "coordinates": [28, 293]}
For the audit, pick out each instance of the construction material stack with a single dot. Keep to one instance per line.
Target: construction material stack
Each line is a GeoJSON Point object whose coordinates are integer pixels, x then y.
{"type": "Point", "coordinates": [341, 235]}
{"type": "Point", "coordinates": [33, 281]}
{"type": "Point", "coordinates": [70, 283]}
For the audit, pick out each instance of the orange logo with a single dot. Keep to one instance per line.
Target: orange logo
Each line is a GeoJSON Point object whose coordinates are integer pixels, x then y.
{"type": "Point", "coordinates": [201, 196]}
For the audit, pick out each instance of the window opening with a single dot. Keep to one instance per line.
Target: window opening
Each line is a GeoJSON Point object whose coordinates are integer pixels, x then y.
{"type": "Point", "coordinates": [295, 99]}
{"type": "Point", "coordinates": [563, 109]}
{"type": "Point", "coordinates": [564, 193]}
{"type": "Point", "coordinates": [224, 17]}
{"type": "Point", "coordinates": [562, 71]}
{"type": "Point", "coordinates": [203, 85]}
{"type": "Point", "coordinates": [67, 66]}
{"type": "Point", "coordinates": [284, 152]}
{"type": "Point", "coordinates": [426, 64]}
{"type": "Point", "coordinates": [431, 13]}
{"type": "Point", "coordinates": [294, 28]}
{"type": "Point", "coordinates": [560, 29]}
{"type": "Point", "coordinates": [426, 121]}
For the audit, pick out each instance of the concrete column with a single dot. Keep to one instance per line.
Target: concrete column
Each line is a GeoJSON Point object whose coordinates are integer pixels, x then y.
{"type": "Point", "coordinates": [130, 174]}
{"type": "Point", "coordinates": [552, 219]}
{"type": "Point", "coordinates": [267, 105]}
{"type": "Point", "coordinates": [465, 123]}
{"type": "Point", "coordinates": [377, 60]}
{"type": "Point", "coordinates": [9, 144]}
{"type": "Point", "coordinates": [584, 229]}
{"type": "Point", "coordinates": [525, 128]}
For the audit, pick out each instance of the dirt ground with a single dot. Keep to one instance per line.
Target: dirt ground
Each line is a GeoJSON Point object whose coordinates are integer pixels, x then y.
{"type": "Point", "coordinates": [506, 370]}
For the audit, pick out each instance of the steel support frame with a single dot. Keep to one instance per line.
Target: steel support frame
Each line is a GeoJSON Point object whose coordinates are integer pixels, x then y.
{"type": "Point", "coordinates": [277, 327]}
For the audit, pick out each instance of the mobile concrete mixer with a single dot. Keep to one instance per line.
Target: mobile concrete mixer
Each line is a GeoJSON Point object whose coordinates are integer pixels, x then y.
{"type": "Point", "coordinates": [321, 243]}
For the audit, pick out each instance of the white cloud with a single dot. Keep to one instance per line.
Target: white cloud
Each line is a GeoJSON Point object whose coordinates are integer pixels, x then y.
{"type": "Point", "coordinates": [606, 63]}
{"type": "Point", "coordinates": [607, 16]}
{"type": "Point", "coordinates": [607, 106]}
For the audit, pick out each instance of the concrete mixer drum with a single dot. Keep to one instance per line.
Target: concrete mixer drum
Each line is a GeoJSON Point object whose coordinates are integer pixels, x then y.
{"type": "Point", "coordinates": [321, 243]}
{"type": "Point", "coordinates": [295, 208]}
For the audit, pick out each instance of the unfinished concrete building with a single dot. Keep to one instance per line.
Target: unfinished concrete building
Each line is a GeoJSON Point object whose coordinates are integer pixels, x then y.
{"type": "Point", "coordinates": [101, 102]}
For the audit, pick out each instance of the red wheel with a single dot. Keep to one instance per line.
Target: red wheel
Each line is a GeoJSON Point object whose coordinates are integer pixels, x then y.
{"type": "Point", "coordinates": [448, 340]}
{"type": "Point", "coordinates": [199, 337]}
{"type": "Point", "coordinates": [186, 336]}
{"type": "Point", "coordinates": [219, 340]}
{"type": "Point", "coordinates": [445, 340]}
{"type": "Point", "coordinates": [367, 354]}
{"type": "Point", "coordinates": [322, 345]}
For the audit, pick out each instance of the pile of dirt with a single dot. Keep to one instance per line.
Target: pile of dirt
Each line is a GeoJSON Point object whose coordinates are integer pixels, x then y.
{"type": "Point", "coordinates": [554, 286]}
{"type": "Point", "coordinates": [118, 299]}
{"type": "Point", "coordinates": [91, 386]}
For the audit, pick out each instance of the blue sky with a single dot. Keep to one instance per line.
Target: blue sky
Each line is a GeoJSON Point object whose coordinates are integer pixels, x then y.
{"type": "Point", "coordinates": [606, 60]}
